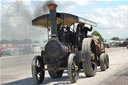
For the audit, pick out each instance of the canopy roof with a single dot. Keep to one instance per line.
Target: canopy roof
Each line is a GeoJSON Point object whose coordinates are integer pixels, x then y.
{"type": "Point", "coordinates": [64, 18]}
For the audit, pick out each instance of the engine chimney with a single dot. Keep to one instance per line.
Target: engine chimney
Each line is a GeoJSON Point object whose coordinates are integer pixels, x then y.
{"type": "Point", "coordinates": [52, 11]}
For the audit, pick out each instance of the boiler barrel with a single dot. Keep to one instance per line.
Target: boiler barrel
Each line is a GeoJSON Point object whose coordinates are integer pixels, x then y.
{"type": "Point", "coordinates": [54, 49]}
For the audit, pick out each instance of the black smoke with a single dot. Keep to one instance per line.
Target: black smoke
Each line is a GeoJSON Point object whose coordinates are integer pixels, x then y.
{"type": "Point", "coordinates": [16, 20]}
{"type": "Point", "coordinates": [42, 8]}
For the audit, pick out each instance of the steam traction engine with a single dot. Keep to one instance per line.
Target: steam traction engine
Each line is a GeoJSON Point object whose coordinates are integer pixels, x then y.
{"type": "Point", "coordinates": [60, 52]}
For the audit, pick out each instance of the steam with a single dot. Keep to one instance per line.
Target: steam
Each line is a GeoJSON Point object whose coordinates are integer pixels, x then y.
{"type": "Point", "coordinates": [16, 21]}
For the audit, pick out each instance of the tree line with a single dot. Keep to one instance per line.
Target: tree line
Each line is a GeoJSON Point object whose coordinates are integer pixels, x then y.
{"type": "Point", "coordinates": [16, 42]}
{"type": "Point", "coordinates": [96, 33]}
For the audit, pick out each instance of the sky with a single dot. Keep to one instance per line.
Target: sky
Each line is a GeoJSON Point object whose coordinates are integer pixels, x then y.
{"type": "Point", "coordinates": [111, 16]}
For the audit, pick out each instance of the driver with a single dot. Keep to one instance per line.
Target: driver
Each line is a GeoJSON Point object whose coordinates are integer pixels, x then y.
{"type": "Point", "coordinates": [82, 33]}
{"type": "Point", "coordinates": [84, 30]}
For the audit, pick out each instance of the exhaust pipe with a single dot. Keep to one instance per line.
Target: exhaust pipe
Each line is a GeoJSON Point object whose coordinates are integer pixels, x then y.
{"type": "Point", "coordinates": [52, 11]}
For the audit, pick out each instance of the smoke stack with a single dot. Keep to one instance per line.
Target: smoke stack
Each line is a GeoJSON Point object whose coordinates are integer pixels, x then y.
{"type": "Point", "coordinates": [52, 11]}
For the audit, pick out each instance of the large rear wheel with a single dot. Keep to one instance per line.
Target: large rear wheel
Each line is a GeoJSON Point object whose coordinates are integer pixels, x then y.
{"type": "Point", "coordinates": [73, 68]}
{"type": "Point", "coordinates": [38, 69]}
{"type": "Point", "coordinates": [90, 57]}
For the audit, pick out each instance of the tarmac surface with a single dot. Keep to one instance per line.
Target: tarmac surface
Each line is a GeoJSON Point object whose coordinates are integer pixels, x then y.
{"type": "Point", "coordinates": [16, 70]}
{"type": "Point", "coordinates": [120, 78]}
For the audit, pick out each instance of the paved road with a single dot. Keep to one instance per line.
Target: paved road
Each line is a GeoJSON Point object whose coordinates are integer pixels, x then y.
{"type": "Point", "coordinates": [16, 70]}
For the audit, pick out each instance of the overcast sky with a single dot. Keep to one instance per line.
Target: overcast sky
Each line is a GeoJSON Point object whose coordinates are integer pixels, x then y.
{"type": "Point", "coordinates": [111, 16]}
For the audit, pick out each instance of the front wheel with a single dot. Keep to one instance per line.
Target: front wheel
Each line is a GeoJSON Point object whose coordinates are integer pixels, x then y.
{"type": "Point", "coordinates": [38, 69]}
{"type": "Point", "coordinates": [73, 68]}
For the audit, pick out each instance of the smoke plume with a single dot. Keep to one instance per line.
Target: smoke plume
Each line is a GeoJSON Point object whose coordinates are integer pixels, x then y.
{"type": "Point", "coordinates": [16, 21]}
{"type": "Point", "coordinates": [42, 8]}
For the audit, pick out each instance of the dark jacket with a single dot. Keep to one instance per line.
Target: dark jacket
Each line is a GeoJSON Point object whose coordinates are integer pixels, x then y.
{"type": "Point", "coordinates": [84, 32]}
{"type": "Point", "coordinates": [86, 29]}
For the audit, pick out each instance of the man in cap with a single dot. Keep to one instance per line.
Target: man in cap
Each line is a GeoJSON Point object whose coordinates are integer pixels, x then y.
{"type": "Point", "coordinates": [82, 32]}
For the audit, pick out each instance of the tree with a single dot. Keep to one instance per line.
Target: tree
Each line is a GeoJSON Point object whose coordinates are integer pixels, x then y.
{"type": "Point", "coordinates": [44, 41]}
{"type": "Point", "coordinates": [96, 33]}
{"type": "Point", "coordinates": [15, 42]}
{"type": "Point", "coordinates": [27, 41]}
{"type": "Point", "coordinates": [4, 41]}
{"type": "Point", "coordinates": [115, 38]}
{"type": "Point", "coordinates": [36, 41]}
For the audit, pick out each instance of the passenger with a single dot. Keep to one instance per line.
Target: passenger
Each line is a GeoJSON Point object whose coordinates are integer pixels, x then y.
{"type": "Point", "coordinates": [68, 35]}
{"type": "Point", "coordinates": [60, 32]}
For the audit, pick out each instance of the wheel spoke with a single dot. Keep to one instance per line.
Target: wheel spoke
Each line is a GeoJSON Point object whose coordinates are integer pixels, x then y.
{"type": "Point", "coordinates": [75, 75]}
{"type": "Point", "coordinates": [38, 67]}
{"type": "Point", "coordinates": [72, 68]}
{"type": "Point", "coordinates": [74, 71]}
